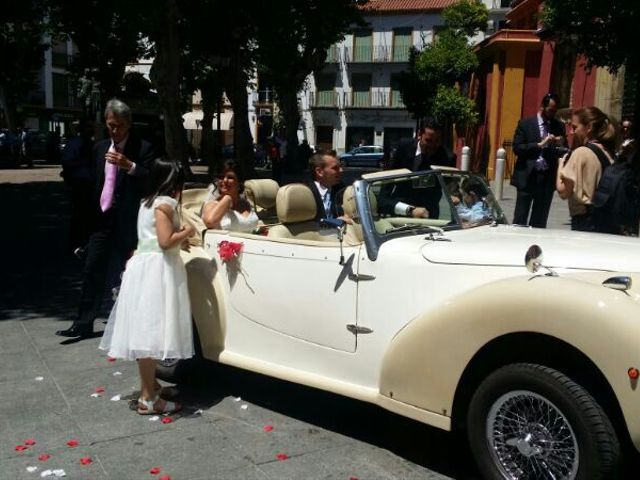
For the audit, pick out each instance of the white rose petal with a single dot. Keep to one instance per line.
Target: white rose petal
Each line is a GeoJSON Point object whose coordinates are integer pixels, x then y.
{"type": "Point", "coordinates": [95, 395]}
{"type": "Point", "coordinates": [116, 374]}
{"type": "Point", "coordinates": [244, 406]}
{"type": "Point", "coordinates": [39, 379]}
{"type": "Point", "coordinates": [115, 398]}
{"type": "Point", "coordinates": [155, 418]}
{"type": "Point", "coordinates": [198, 412]}
{"type": "Point", "coordinates": [31, 469]}
{"type": "Point", "coordinates": [237, 399]}
{"type": "Point", "coordinates": [46, 473]}
{"type": "Point", "coordinates": [59, 473]}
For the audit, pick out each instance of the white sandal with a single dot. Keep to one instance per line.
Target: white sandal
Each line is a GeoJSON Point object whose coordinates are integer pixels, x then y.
{"type": "Point", "coordinates": [148, 407]}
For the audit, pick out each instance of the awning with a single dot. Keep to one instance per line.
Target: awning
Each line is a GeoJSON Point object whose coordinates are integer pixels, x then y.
{"type": "Point", "coordinates": [192, 121]}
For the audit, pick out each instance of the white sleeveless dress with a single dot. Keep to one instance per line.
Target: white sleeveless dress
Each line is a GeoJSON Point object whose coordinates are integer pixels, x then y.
{"type": "Point", "coordinates": [152, 315]}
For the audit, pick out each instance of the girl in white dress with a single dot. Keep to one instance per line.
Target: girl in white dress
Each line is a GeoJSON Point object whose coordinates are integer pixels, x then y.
{"type": "Point", "coordinates": [225, 208]}
{"type": "Point", "coordinates": [151, 318]}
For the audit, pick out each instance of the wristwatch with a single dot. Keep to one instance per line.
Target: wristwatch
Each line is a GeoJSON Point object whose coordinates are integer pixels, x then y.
{"type": "Point", "coordinates": [410, 209]}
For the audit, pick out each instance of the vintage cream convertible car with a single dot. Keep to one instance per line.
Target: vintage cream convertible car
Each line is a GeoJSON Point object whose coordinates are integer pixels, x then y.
{"type": "Point", "coordinates": [439, 319]}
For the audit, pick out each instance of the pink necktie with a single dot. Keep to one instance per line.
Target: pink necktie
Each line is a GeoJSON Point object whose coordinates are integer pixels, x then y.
{"type": "Point", "coordinates": [106, 197]}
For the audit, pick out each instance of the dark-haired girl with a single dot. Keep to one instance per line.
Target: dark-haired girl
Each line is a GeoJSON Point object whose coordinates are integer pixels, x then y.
{"type": "Point", "coordinates": [151, 319]}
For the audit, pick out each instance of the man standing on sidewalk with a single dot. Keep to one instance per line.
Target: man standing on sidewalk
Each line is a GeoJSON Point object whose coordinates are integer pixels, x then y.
{"type": "Point", "coordinates": [122, 166]}
{"type": "Point", "coordinates": [536, 143]}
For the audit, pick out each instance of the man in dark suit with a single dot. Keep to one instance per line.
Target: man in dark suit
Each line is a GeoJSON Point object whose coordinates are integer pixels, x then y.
{"type": "Point", "coordinates": [423, 151]}
{"type": "Point", "coordinates": [122, 166]}
{"type": "Point", "coordinates": [536, 142]}
{"type": "Point", "coordinates": [326, 185]}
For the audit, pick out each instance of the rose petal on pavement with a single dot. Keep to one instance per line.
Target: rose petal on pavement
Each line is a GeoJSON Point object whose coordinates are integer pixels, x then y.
{"type": "Point", "coordinates": [198, 412]}
{"type": "Point", "coordinates": [99, 390]}
{"type": "Point", "coordinates": [31, 469]}
{"type": "Point", "coordinates": [165, 477]}
{"type": "Point", "coordinates": [111, 359]}
{"type": "Point", "coordinates": [43, 457]}
{"type": "Point", "coordinates": [155, 418]}
{"type": "Point", "coordinates": [237, 399]}
{"type": "Point", "coordinates": [59, 473]}
{"type": "Point", "coordinates": [46, 473]}
{"type": "Point", "coordinates": [73, 443]}
{"type": "Point", "coordinates": [116, 398]}
{"type": "Point", "coordinates": [244, 406]}
{"type": "Point", "coordinates": [268, 428]}
{"type": "Point", "coordinates": [116, 374]}
{"type": "Point", "coordinates": [20, 448]}
{"type": "Point", "coordinates": [155, 470]}
{"type": "Point", "coordinates": [95, 395]}
{"type": "Point", "coordinates": [86, 461]}
{"type": "Point", "coordinates": [39, 379]}
{"type": "Point", "coordinates": [282, 456]}
{"type": "Point", "coordinates": [167, 420]}
{"type": "Point", "coordinates": [29, 442]}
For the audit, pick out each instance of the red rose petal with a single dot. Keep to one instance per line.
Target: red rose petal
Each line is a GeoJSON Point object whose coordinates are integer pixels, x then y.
{"type": "Point", "coordinates": [155, 471]}
{"type": "Point", "coordinates": [166, 420]}
{"type": "Point", "coordinates": [99, 390]}
{"type": "Point", "coordinates": [111, 359]}
{"type": "Point", "coordinates": [73, 443]}
{"type": "Point", "coordinates": [354, 478]}
{"type": "Point", "coordinates": [29, 442]}
{"type": "Point", "coordinates": [268, 428]}
{"type": "Point", "coordinates": [20, 448]}
{"type": "Point", "coordinates": [44, 457]}
{"type": "Point", "coordinates": [282, 456]}
{"type": "Point", "coordinates": [86, 461]}
{"type": "Point", "coordinates": [165, 477]}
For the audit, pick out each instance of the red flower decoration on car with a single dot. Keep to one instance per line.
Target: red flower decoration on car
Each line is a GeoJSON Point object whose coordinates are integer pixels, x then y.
{"type": "Point", "coordinates": [29, 442]}
{"type": "Point", "coordinates": [73, 443]}
{"type": "Point", "coordinates": [44, 457]}
{"type": "Point", "coordinates": [86, 461]}
{"type": "Point", "coordinates": [282, 456]}
{"type": "Point", "coordinates": [229, 250]}
{"type": "Point", "coordinates": [166, 420]}
{"type": "Point", "coordinates": [155, 470]}
{"type": "Point", "coordinates": [21, 448]}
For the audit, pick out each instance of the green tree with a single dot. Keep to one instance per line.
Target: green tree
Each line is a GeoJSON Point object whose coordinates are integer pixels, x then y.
{"type": "Point", "coordinates": [292, 40]}
{"type": "Point", "coordinates": [604, 32]}
{"type": "Point", "coordinates": [437, 80]}
{"type": "Point", "coordinates": [21, 54]}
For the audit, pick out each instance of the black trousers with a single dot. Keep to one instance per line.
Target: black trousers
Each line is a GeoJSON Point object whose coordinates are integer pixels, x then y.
{"type": "Point", "coordinates": [105, 261]}
{"type": "Point", "coordinates": [534, 202]}
{"type": "Point", "coordinates": [583, 223]}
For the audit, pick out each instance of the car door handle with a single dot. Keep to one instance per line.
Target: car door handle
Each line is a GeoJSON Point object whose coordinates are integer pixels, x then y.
{"type": "Point", "coordinates": [359, 277]}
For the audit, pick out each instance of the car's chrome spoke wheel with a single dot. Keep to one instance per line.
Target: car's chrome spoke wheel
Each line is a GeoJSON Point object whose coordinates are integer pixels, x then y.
{"type": "Point", "coordinates": [531, 438]}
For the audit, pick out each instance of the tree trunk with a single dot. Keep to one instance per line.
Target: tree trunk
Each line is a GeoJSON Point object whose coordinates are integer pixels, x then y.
{"type": "Point", "coordinates": [207, 142]}
{"type": "Point", "coordinates": [165, 75]}
{"type": "Point", "coordinates": [288, 103]}
{"type": "Point", "coordinates": [243, 142]}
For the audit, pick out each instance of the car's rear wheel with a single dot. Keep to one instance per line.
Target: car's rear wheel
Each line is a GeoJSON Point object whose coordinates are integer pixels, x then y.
{"type": "Point", "coordinates": [528, 421]}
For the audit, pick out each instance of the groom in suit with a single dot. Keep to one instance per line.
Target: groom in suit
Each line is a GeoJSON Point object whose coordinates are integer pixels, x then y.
{"type": "Point", "coordinates": [326, 186]}
{"type": "Point", "coordinates": [536, 142]}
{"type": "Point", "coordinates": [123, 162]}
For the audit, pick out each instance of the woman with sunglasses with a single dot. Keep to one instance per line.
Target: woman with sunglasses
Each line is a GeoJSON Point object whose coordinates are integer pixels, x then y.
{"type": "Point", "coordinates": [225, 208]}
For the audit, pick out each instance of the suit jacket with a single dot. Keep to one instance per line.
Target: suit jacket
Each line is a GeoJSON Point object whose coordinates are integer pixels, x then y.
{"type": "Point", "coordinates": [405, 157]}
{"type": "Point", "coordinates": [525, 146]}
{"type": "Point", "coordinates": [337, 192]}
{"type": "Point", "coordinates": [122, 217]}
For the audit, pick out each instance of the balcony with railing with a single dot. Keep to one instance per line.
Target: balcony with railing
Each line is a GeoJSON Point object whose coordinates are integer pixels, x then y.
{"type": "Point", "coordinates": [376, 54]}
{"type": "Point", "coordinates": [372, 99]}
{"type": "Point", "coordinates": [323, 99]}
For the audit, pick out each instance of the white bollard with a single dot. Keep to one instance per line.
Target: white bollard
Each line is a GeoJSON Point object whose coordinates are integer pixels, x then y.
{"type": "Point", "coordinates": [501, 160]}
{"type": "Point", "coordinates": [466, 158]}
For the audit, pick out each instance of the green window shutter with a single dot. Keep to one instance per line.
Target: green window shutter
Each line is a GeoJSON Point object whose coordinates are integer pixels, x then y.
{"type": "Point", "coordinates": [362, 46]}
{"type": "Point", "coordinates": [402, 41]}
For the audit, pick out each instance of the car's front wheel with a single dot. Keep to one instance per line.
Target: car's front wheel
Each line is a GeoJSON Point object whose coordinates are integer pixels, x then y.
{"type": "Point", "coordinates": [528, 421]}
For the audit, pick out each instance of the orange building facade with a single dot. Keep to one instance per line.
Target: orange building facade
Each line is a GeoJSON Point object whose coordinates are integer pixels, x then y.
{"type": "Point", "coordinates": [517, 68]}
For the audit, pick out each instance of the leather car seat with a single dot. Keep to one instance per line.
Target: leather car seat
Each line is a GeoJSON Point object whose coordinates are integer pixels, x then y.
{"type": "Point", "coordinates": [261, 194]}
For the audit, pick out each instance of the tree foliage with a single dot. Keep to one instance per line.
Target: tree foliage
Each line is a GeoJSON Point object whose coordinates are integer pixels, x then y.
{"type": "Point", "coordinates": [21, 53]}
{"type": "Point", "coordinates": [604, 32]}
{"type": "Point", "coordinates": [435, 83]}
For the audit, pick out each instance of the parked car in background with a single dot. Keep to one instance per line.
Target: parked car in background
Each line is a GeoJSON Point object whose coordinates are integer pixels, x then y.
{"type": "Point", "coordinates": [364, 156]}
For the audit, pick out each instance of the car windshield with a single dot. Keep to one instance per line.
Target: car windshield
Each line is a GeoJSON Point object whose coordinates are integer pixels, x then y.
{"type": "Point", "coordinates": [432, 201]}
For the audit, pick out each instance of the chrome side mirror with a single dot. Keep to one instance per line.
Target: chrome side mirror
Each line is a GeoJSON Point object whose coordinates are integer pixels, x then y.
{"type": "Point", "coordinates": [533, 259]}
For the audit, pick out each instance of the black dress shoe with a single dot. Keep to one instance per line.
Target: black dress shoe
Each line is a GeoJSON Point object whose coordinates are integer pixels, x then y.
{"type": "Point", "coordinates": [76, 331]}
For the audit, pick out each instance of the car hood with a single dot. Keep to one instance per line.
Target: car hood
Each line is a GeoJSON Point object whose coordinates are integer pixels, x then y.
{"type": "Point", "coordinates": [506, 245]}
